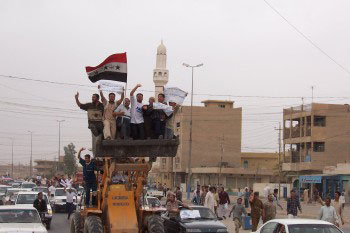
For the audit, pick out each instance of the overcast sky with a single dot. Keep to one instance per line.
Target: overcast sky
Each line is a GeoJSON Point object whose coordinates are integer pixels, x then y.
{"type": "Point", "coordinates": [247, 50]}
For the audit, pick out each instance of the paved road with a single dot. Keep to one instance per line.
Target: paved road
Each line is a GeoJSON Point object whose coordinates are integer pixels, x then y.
{"type": "Point", "coordinates": [60, 223]}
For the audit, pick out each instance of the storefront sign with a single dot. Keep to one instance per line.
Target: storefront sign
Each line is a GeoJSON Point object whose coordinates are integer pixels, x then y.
{"type": "Point", "coordinates": [310, 179]}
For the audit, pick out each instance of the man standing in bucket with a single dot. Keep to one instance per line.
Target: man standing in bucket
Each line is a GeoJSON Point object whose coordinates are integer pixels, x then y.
{"type": "Point", "coordinates": [90, 181]}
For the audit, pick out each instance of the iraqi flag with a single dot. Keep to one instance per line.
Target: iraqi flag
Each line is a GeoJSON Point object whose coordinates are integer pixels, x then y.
{"type": "Point", "coordinates": [113, 68]}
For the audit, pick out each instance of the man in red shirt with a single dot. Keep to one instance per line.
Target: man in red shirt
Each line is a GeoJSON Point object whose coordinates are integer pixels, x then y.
{"type": "Point", "coordinates": [224, 201]}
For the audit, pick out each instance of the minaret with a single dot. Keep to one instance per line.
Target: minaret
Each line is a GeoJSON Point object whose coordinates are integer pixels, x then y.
{"type": "Point", "coordinates": [160, 73]}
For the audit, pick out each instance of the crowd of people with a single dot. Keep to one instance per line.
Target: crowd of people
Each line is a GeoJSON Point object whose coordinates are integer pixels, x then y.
{"type": "Point", "coordinates": [129, 118]}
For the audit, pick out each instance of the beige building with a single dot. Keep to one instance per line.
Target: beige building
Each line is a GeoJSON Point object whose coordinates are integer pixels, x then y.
{"type": "Point", "coordinates": [315, 136]}
{"type": "Point", "coordinates": [46, 167]}
{"type": "Point", "coordinates": [19, 170]}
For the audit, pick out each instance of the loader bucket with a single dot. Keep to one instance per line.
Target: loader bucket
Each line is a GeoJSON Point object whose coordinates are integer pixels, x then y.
{"type": "Point", "coordinates": [137, 148]}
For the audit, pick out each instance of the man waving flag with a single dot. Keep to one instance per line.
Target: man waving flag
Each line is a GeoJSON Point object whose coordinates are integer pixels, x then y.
{"type": "Point", "coordinates": [113, 68]}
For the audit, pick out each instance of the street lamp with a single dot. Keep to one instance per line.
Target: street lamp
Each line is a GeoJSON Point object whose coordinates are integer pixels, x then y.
{"type": "Point", "coordinates": [31, 155]}
{"type": "Point", "coordinates": [190, 144]}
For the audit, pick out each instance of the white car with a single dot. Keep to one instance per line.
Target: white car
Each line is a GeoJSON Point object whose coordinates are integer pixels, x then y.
{"type": "Point", "coordinates": [28, 186]}
{"type": "Point", "coordinates": [11, 195]}
{"type": "Point", "coordinates": [20, 219]}
{"type": "Point", "coordinates": [26, 199]}
{"type": "Point", "coordinates": [298, 226]}
{"type": "Point", "coordinates": [155, 193]}
{"type": "Point", "coordinates": [59, 200]}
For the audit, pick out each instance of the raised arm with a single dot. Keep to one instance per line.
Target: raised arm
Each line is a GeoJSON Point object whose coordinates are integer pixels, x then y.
{"type": "Point", "coordinates": [121, 99]}
{"type": "Point", "coordinates": [77, 99]}
{"type": "Point", "coordinates": [134, 89]}
{"type": "Point", "coordinates": [103, 99]}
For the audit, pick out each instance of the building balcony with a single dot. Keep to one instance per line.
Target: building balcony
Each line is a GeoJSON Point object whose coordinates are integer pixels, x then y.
{"type": "Point", "coordinates": [303, 166]}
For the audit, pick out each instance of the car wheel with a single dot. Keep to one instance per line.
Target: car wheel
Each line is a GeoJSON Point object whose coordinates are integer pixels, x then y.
{"type": "Point", "coordinates": [93, 224]}
{"type": "Point", "coordinates": [48, 225]}
{"type": "Point", "coordinates": [155, 224]}
{"type": "Point", "coordinates": [75, 225]}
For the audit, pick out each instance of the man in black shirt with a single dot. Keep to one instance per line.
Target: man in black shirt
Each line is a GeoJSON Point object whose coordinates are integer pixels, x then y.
{"type": "Point", "coordinates": [89, 168]}
{"type": "Point", "coordinates": [40, 204]}
{"type": "Point", "coordinates": [95, 111]}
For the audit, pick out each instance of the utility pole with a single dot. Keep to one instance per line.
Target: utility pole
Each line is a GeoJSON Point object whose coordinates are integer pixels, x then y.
{"type": "Point", "coordinates": [12, 160]}
{"type": "Point", "coordinates": [279, 160]}
{"type": "Point", "coordinates": [190, 142]}
{"type": "Point", "coordinates": [222, 154]}
{"type": "Point", "coordinates": [59, 142]}
{"type": "Point", "coordinates": [31, 155]}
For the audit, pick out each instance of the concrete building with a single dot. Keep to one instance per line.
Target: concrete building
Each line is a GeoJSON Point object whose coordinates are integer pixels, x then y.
{"type": "Point", "coordinates": [47, 167]}
{"type": "Point", "coordinates": [315, 136]}
{"type": "Point", "coordinates": [216, 143]}
{"type": "Point", "coordinates": [19, 170]}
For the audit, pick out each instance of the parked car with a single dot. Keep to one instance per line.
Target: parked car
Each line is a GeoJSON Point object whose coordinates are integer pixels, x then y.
{"type": "Point", "coordinates": [28, 185]}
{"type": "Point", "coordinates": [20, 219]}
{"type": "Point", "coordinates": [3, 189]}
{"type": "Point", "coordinates": [28, 198]}
{"type": "Point", "coordinates": [11, 195]}
{"type": "Point", "coordinates": [15, 185]}
{"type": "Point", "coordinates": [58, 200]}
{"type": "Point", "coordinates": [199, 219]}
{"type": "Point", "coordinates": [153, 192]}
{"type": "Point", "coordinates": [298, 225]}
{"type": "Point", "coordinates": [42, 189]}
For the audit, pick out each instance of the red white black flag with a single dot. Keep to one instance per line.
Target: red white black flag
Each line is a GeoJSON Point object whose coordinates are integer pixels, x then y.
{"type": "Point", "coordinates": [113, 68]}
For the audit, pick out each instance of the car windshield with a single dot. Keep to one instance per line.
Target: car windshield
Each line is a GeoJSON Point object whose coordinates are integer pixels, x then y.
{"type": "Point", "coordinates": [3, 189]}
{"type": "Point", "coordinates": [11, 192]}
{"type": "Point", "coordinates": [60, 192]}
{"type": "Point", "coordinates": [153, 202]}
{"type": "Point", "coordinates": [41, 189]}
{"type": "Point", "coordinates": [197, 213]}
{"type": "Point", "coordinates": [312, 228]}
{"type": "Point", "coordinates": [19, 216]}
{"type": "Point", "coordinates": [28, 198]}
{"type": "Point", "coordinates": [28, 185]}
{"type": "Point", "coordinates": [16, 185]}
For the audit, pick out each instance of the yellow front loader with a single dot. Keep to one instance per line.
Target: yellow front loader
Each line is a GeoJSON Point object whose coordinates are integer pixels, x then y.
{"type": "Point", "coordinates": [119, 194]}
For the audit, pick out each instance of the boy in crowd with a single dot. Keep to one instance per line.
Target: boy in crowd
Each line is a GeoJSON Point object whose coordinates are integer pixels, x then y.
{"type": "Point", "coordinates": [237, 210]}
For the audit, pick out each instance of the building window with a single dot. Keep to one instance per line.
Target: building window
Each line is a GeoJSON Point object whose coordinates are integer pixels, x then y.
{"type": "Point", "coordinates": [160, 73]}
{"type": "Point", "coordinates": [245, 164]}
{"type": "Point", "coordinates": [155, 73]}
{"type": "Point", "coordinates": [319, 146]}
{"type": "Point", "coordinates": [222, 105]}
{"type": "Point", "coordinates": [178, 124]}
{"type": "Point", "coordinates": [320, 121]}
{"type": "Point", "coordinates": [163, 160]}
{"type": "Point", "coordinates": [177, 160]}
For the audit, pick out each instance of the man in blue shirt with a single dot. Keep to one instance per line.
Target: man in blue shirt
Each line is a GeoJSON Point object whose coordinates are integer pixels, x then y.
{"type": "Point", "coordinates": [89, 168]}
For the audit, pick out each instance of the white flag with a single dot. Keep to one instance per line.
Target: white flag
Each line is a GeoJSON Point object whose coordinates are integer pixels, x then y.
{"type": "Point", "coordinates": [174, 94]}
{"type": "Point", "coordinates": [110, 86]}
{"type": "Point", "coordinates": [168, 110]}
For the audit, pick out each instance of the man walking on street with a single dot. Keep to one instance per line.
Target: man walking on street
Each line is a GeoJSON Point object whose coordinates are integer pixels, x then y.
{"type": "Point", "coordinates": [276, 199]}
{"type": "Point", "coordinates": [109, 122]}
{"type": "Point", "coordinates": [178, 194]}
{"type": "Point", "coordinates": [246, 197]}
{"type": "Point", "coordinates": [209, 200]}
{"type": "Point", "coordinates": [237, 210]}
{"type": "Point", "coordinates": [328, 213]}
{"type": "Point", "coordinates": [338, 207]}
{"type": "Point", "coordinates": [293, 204]}
{"type": "Point", "coordinates": [269, 209]}
{"type": "Point", "coordinates": [69, 200]}
{"type": "Point", "coordinates": [257, 210]}
{"type": "Point", "coordinates": [224, 201]}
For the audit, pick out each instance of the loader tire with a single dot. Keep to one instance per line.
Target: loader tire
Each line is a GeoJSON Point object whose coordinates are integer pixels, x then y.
{"type": "Point", "coordinates": [155, 224]}
{"type": "Point", "coordinates": [93, 224]}
{"type": "Point", "coordinates": [76, 223]}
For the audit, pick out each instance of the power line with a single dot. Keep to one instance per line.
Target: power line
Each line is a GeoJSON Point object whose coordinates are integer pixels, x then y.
{"type": "Point", "coordinates": [307, 38]}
